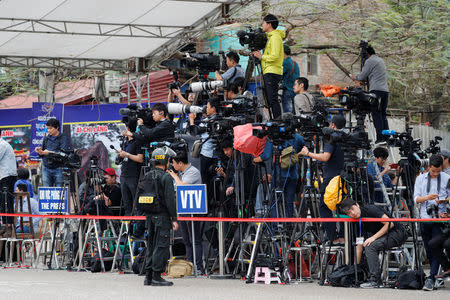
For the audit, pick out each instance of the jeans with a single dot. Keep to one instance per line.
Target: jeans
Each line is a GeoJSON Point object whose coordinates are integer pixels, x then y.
{"type": "Point", "coordinates": [437, 245]}
{"type": "Point", "coordinates": [8, 183]}
{"type": "Point", "coordinates": [390, 240]}
{"type": "Point", "coordinates": [52, 177]}
{"type": "Point", "coordinates": [379, 114]}
{"type": "Point", "coordinates": [429, 231]}
{"type": "Point", "coordinates": [186, 233]}
{"type": "Point", "coordinates": [289, 197]}
{"type": "Point", "coordinates": [271, 82]}
{"type": "Point", "coordinates": [288, 101]}
{"type": "Point", "coordinates": [128, 186]}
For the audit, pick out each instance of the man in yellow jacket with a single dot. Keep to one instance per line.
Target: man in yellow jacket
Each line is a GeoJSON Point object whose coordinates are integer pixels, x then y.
{"type": "Point", "coordinates": [272, 62]}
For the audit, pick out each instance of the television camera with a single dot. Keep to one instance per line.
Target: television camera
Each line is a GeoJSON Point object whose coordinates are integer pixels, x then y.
{"type": "Point", "coordinates": [256, 39]}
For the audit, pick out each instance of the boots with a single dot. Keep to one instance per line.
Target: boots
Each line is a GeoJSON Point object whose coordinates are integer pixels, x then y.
{"type": "Point", "coordinates": [158, 281]}
{"type": "Point", "coordinates": [148, 278]}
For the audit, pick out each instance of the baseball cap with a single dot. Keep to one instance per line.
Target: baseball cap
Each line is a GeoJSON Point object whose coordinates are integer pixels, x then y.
{"type": "Point", "coordinates": [346, 204]}
{"type": "Point", "coordinates": [110, 172]}
{"type": "Point", "coordinates": [445, 153]}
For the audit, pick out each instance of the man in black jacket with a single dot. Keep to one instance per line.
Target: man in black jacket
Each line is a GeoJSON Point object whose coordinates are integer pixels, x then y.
{"type": "Point", "coordinates": [163, 131]}
{"type": "Point", "coordinates": [159, 224]}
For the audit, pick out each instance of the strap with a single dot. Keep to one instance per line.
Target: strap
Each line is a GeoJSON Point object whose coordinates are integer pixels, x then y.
{"type": "Point", "coordinates": [234, 73]}
{"type": "Point", "coordinates": [429, 183]}
{"type": "Point", "coordinates": [309, 100]}
{"type": "Point", "coordinates": [293, 67]}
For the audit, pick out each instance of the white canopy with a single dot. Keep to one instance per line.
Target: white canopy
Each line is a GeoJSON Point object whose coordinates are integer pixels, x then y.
{"type": "Point", "coordinates": [102, 34]}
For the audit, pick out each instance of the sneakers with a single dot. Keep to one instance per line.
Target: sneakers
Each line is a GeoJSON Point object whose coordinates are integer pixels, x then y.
{"type": "Point", "coordinates": [369, 285]}
{"type": "Point", "coordinates": [429, 285]}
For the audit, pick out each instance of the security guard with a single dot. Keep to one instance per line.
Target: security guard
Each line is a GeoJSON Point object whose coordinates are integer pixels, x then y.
{"type": "Point", "coordinates": [159, 224]}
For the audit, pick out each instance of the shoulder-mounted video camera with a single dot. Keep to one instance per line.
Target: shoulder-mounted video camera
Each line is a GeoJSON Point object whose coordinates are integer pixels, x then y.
{"type": "Point", "coordinates": [256, 39]}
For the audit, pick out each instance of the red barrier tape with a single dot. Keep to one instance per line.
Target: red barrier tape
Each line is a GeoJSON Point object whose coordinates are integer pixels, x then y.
{"type": "Point", "coordinates": [245, 220]}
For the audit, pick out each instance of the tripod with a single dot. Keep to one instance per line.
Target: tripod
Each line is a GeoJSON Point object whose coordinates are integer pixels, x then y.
{"type": "Point", "coordinates": [253, 63]}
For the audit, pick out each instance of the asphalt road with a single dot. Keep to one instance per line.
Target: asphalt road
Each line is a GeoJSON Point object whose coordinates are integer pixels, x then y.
{"type": "Point", "coordinates": [42, 284]}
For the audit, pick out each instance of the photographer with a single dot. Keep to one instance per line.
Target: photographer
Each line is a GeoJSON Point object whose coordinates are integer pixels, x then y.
{"type": "Point", "coordinates": [131, 166]}
{"type": "Point", "coordinates": [234, 68]}
{"type": "Point", "coordinates": [286, 178]}
{"type": "Point", "coordinates": [53, 142]}
{"type": "Point", "coordinates": [291, 71]}
{"type": "Point", "coordinates": [376, 236]}
{"type": "Point", "coordinates": [272, 62]}
{"type": "Point", "coordinates": [303, 102]}
{"type": "Point", "coordinates": [207, 151]}
{"type": "Point", "coordinates": [381, 154]}
{"type": "Point", "coordinates": [161, 220]}
{"type": "Point", "coordinates": [188, 174]}
{"type": "Point", "coordinates": [374, 71]}
{"type": "Point", "coordinates": [177, 93]}
{"type": "Point", "coordinates": [163, 131]}
{"type": "Point", "coordinates": [333, 159]}
{"type": "Point", "coordinates": [446, 161]}
{"type": "Point", "coordinates": [432, 193]}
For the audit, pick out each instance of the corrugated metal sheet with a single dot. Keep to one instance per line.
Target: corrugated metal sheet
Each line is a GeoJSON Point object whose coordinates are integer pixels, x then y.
{"type": "Point", "coordinates": [158, 87]}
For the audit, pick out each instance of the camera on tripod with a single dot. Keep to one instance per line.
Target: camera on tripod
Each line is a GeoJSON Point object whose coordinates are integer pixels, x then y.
{"type": "Point", "coordinates": [355, 98]}
{"type": "Point", "coordinates": [204, 63]}
{"type": "Point", "coordinates": [66, 159]}
{"type": "Point", "coordinates": [256, 39]}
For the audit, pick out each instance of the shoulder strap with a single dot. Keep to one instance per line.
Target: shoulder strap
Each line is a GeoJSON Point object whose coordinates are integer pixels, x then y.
{"type": "Point", "coordinates": [429, 183]}
{"type": "Point", "coordinates": [309, 100]}
{"type": "Point", "coordinates": [234, 73]}
{"type": "Point", "coordinates": [293, 67]}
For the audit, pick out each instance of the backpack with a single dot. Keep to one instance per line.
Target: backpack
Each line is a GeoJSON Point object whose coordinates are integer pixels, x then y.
{"type": "Point", "coordinates": [139, 262]}
{"type": "Point", "coordinates": [148, 197]}
{"type": "Point", "coordinates": [410, 280]}
{"type": "Point", "coordinates": [344, 276]}
{"type": "Point", "coordinates": [96, 265]}
{"type": "Point", "coordinates": [179, 268]}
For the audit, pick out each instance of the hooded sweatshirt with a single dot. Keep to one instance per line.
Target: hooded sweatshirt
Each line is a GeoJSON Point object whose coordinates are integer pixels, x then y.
{"type": "Point", "coordinates": [272, 59]}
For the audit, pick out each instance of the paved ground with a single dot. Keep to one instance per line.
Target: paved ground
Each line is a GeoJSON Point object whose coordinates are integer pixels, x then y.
{"type": "Point", "coordinates": [43, 284]}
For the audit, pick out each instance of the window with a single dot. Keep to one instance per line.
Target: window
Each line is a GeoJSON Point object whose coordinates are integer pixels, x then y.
{"type": "Point", "coordinates": [311, 62]}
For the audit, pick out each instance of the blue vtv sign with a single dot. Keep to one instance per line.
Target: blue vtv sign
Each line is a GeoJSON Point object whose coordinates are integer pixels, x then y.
{"type": "Point", "coordinates": [191, 199]}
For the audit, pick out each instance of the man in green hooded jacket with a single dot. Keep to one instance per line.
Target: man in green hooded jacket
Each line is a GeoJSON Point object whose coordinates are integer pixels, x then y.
{"type": "Point", "coordinates": [272, 62]}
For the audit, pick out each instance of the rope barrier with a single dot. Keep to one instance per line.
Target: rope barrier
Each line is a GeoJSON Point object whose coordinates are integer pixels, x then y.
{"type": "Point", "coordinates": [244, 220]}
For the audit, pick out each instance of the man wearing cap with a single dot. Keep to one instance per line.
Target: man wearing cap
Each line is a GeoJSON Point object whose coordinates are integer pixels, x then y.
{"type": "Point", "coordinates": [291, 71]}
{"type": "Point", "coordinates": [333, 163]}
{"type": "Point", "coordinates": [446, 157]}
{"type": "Point", "coordinates": [110, 195]}
{"type": "Point", "coordinates": [373, 237]}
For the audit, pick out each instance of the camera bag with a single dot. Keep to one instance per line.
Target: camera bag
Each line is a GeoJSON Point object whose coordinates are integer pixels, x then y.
{"type": "Point", "coordinates": [289, 158]}
{"type": "Point", "coordinates": [148, 197]}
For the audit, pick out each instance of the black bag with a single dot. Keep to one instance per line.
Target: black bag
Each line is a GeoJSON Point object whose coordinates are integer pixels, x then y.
{"type": "Point", "coordinates": [344, 276]}
{"type": "Point", "coordinates": [410, 280]}
{"type": "Point", "coordinates": [139, 262]}
{"type": "Point", "coordinates": [96, 265]}
{"type": "Point", "coordinates": [148, 198]}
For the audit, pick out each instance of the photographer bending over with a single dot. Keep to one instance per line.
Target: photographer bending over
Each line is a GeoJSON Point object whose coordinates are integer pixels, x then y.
{"type": "Point", "coordinates": [272, 62]}
{"type": "Point", "coordinates": [373, 236]}
{"type": "Point", "coordinates": [432, 193]}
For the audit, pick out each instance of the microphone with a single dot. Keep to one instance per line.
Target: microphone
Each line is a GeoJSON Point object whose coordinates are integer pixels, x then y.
{"type": "Point", "coordinates": [114, 148]}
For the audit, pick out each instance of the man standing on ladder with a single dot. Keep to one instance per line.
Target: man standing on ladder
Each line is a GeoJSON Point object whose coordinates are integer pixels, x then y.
{"type": "Point", "coordinates": [272, 62]}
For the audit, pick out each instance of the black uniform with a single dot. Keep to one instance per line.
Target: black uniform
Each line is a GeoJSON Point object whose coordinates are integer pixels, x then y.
{"type": "Point", "coordinates": [163, 131]}
{"type": "Point", "coordinates": [159, 226]}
